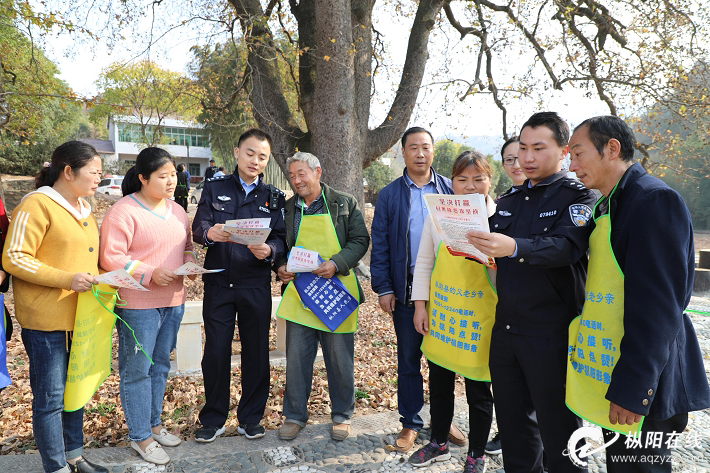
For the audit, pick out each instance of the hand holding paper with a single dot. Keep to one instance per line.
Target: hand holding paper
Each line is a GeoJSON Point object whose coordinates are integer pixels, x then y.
{"type": "Point", "coordinates": [301, 260]}
{"type": "Point", "coordinates": [496, 245]}
{"type": "Point", "coordinates": [454, 217]}
{"type": "Point", "coordinates": [248, 231]}
{"type": "Point", "coordinates": [119, 278]}
{"type": "Point", "coordinates": [188, 269]}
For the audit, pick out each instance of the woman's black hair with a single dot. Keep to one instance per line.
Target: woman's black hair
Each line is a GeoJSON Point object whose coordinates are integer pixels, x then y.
{"type": "Point", "coordinates": [75, 154]}
{"type": "Point", "coordinates": [512, 139]}
{"type": "Point", "coordinates": [148, 161]}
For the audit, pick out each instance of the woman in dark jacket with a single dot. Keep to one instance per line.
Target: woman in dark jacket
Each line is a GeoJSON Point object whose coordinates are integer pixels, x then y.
{"type": "Point", "coordinates": [183, 189]}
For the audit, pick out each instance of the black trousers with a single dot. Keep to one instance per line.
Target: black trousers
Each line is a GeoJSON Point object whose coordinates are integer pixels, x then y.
{"type": "Point", "coordinates": [182, 201]}
{"type": "Point", "coordinates": [480, 408]}
{"type": "Point", "coordinates": [646, 459]}
{"type": "Point", "coordinates": [253, 316]}
{"type": "Point", "coordinates": [528, 376]}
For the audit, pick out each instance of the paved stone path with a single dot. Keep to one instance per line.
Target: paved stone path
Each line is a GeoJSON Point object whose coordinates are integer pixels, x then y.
{"type": "Point", "coordinates": [367, 450]}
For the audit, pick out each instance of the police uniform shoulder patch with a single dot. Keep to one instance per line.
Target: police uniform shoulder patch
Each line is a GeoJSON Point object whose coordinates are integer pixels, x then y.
{"type": "Point", "coordinates": [510, 191]}
{"type": "Point", "coordinates": [213, 179]}
{"type": "Point", "coordinates": [276, 189]}
{"type": "Point", "coordinates": [580, 214]}
{"type": "Point", "coordinates": [574, 184]}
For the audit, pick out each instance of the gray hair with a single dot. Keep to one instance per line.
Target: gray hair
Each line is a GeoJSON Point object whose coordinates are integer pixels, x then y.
{"type": "Point", "coordinates": [307, 158]}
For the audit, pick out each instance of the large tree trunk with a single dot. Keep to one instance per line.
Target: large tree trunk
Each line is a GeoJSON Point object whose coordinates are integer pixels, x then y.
{"type": "Point", "coordinates": [335, 42]}
{"type": "Point", "coordinates": [333, 120]}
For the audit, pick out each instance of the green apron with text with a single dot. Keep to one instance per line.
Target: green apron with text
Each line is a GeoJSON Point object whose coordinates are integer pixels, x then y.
{"type": "Point", "coordinates": [317, 233]}
{"type": "Point", "coordinates": [461, 316]}
{"type": "Point", "coordinates": [595, 336]}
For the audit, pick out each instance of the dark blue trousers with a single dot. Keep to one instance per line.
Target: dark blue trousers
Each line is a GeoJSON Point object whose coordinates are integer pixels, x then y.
{"type": "Point", "coordinates": [410, 388]}
{"type": "Point", "coordinates": [528, 376]}
{"type": "Point", "coordinates": [252, 307]}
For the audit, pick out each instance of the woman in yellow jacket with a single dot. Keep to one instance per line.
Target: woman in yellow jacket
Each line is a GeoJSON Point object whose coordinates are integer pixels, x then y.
{"type": "Point", "coordinates": [52, 250]}
{"type": "Point", "coordinates": [454, 308]}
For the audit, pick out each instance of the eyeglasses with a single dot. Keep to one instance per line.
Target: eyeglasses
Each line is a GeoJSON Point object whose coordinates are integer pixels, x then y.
{"type": "Point", "coordinates": [509, 160]}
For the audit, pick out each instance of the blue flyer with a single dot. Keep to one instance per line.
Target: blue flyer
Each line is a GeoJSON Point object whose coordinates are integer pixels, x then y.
{"type": "Point", "coordinates": [327, 298]}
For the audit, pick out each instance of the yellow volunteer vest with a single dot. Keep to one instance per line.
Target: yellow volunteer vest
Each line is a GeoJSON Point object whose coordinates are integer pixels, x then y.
{"type": "Point", "coordinates": [461, 308]}
{"type": "Point", "coordinates": [317, 233]}
{"type": "Point", "coordinates": [595, 336]}
{"type": "Point", "coordinates": [90, 356]}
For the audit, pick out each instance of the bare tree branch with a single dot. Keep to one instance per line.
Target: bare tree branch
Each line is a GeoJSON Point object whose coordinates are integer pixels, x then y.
{"type": "Point", "coordinates": [381, 138]}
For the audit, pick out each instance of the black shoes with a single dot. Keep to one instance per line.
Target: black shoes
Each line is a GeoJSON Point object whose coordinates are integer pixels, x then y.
{"type": "Point", "coordinates": [251, 431]}
{"type": "Point", "coordinates": [85, 466]}
{"type": "Point", "coordinates": [208, 434]}
{"type": "Point", "coordinates": [493, 446]}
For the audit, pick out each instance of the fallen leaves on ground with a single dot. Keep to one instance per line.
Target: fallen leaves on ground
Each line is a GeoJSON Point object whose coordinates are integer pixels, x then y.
{"type": "Point", "coordinates": [104, 422]}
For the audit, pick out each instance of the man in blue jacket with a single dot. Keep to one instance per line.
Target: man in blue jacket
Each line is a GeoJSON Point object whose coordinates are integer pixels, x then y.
{"type": "Point", "coordinates": [396, 230]}
{"type": "Point", "coordinates": [659, 372]}
{"type": "Point", "coordinates": [244, 287]}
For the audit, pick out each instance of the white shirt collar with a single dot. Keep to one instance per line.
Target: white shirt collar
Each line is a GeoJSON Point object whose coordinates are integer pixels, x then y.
{"type": "Point", "coordinates": [58, 198]}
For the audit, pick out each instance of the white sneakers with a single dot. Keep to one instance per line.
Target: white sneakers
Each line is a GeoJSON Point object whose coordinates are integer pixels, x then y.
{"type": "Point", "coordinates": [154, 453]}
{"type": "Point", "coordinates": [166, 439]}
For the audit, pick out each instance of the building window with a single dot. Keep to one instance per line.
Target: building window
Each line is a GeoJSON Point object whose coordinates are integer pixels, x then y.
{"type": "Point", "coordinates": [194, 169]}
{"type": "Point", "coordinates": [132, 133]}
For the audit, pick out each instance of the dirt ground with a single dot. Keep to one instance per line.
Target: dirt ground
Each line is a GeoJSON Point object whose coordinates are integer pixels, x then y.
{"type": "Point", "coordinates": [375, 371]}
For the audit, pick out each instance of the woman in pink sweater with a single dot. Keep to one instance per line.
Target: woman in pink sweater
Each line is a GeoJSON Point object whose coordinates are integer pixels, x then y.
{"type": "Point", "coordinates": [148, 234]}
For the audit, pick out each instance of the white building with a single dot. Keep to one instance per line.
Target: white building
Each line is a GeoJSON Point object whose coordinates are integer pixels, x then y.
{"type": "Point", "coordinates": [188, 143]}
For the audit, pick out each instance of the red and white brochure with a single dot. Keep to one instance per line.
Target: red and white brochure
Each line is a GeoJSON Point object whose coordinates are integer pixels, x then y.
{"type": "Point", "coordinates": [454, 216]}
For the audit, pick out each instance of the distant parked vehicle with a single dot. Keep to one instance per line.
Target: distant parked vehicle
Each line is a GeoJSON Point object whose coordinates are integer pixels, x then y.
{"type": "Point", "coordinates": [110, 186]}
{"type": "Point", "coordinates": [197, 192]}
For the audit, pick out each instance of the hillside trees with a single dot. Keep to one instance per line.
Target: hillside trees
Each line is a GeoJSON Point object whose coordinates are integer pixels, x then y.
{"type": "Point", "coordinates": [36, 117]}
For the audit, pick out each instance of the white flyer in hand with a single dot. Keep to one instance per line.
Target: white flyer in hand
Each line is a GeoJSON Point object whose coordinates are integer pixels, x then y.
{"type": "Point", "coordinates": [301, 260]}
{"type": "Point", "coordinates": [248, 236]}
{"type": "Point", "coordinates": [188, 269]}
{"type": "Point", "coordinates": [248, 223]}
{"type": "Point", "coordinates": [454, 216]}
{"type": "Point", "coordinates": [248, 231]}
{"type": "Point", "coordinates": [120, 278]}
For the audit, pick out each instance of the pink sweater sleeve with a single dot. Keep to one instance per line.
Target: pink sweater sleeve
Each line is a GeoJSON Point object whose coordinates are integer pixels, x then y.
{"type": "Point", "coordinates": [116, 238]}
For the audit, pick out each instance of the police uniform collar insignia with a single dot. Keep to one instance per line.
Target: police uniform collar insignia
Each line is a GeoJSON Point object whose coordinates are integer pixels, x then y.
{"type": "Point", "coordinates": [580, 214]}
{"type": "Point", "coordinates": [224, 198]}
{"type": "Point", "coordinates": [504, 213]}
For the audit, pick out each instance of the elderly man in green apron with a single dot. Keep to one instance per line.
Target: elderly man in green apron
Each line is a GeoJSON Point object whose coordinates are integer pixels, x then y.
{"type": "Point", "coordinates": [319, 218]}
{"type": "Point", "coordinates": [635, 365]}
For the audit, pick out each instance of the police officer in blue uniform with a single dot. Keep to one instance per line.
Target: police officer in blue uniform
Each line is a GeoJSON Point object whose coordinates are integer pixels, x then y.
{"type": "Point", "coordinates": [244, 287]}
{"type": "Point", "coordinates": [540, 241]}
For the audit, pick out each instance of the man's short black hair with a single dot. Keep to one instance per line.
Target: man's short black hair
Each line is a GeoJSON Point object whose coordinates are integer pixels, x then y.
{"type": "Point", "coordinates": [261, 135]}
{"type": "Point", "coordinates": [605, 127]}
{"type": "Point", "coordinates": [551, 120]}
{"type": "Point", "coordinates": [415, 129]}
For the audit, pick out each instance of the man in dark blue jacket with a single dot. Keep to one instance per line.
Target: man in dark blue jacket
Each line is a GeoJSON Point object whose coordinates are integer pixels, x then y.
{"type": "Point", "coordinates": [244, 287]}
{"type": "Point", "coordinates": [660, 372]}
{"type": "Point", "coordinates": [539, 240]}
{"type": "Point", "coordinates": [396, 230]}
